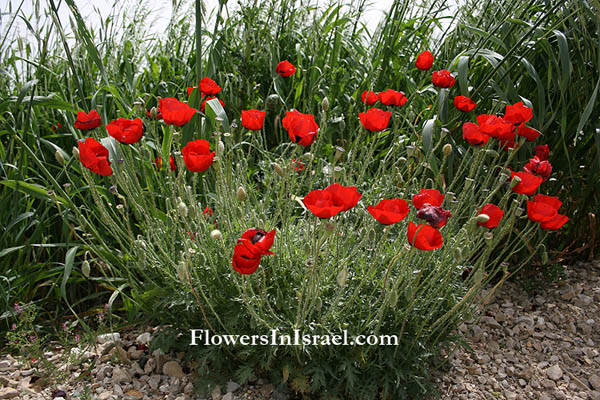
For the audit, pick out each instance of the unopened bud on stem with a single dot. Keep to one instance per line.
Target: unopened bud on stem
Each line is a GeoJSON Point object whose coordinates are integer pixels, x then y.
{"type": "Point", "coordinates": [216, 234]}
{"type": "Point", "coordinates": [241, 193]}
{"type": "Point", "coordinates": [59, 157]}
{"type": "Point", "coordinates": [447, 149]}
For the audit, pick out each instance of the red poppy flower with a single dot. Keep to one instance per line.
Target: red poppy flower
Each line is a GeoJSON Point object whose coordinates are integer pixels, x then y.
{"type": "Point", "coordinates": [427, 196]}
{"type": "Point", "coordinates": [495, 214]}
{"type": "Point", "coordinates": [518, 113]}
{"type": "Point", "coordinates": [208, 87]}
{"type": "Point", "coordinates": [375, 119]}
{"type": "Point", "coordinates": [543, 208]}
{"type": "Point", "coordinates": [555, 223]}
{"type": "Point", "coordinates": [344, 196]}
{"type": "Point", "coordinates": [473, 135]}
{"type": "Point", "coordinates": [208, 211]}
{"type": "Point", "coordinates": [389, 211]}
{"type": "Point", "coordinates": [197, 155]}
{"type": "Point", "coordinates": [527, 132]}
{"type": "Point", "coordinates": [258, 241]}
{"type": "Point", "coordinates": [244, 261]}
{"type": "Point", "coordinates": [539, 167]}
{"type": "Point", "coordinates": [174, 112]}
{"type": "Point", "coordinates": [442, 79]}
{"type": "Point", "coordinates": [203, 105]}
{"type": "Point", "coordinates": [436, 216]}
{"type": "Point", "coordinates": [496, 127]}
{"type": "Point", "coordinates": [301, 128]}
{"type": "Point", "coordinates": [190, 89]}
{"type": "Point", "coordinates": [392, 98]}
{"type": "Point", "coordinates": [298, 165]}
{"type": "Point", "coordinates": [424, 237]}
{"type": "Point", "coordinates": [463, 103]}
{"type": "Point", "coordinates": [424, 60]}
{"type": "Point", "coordinates": [320, 203]}
{"type": "Point", "coordinates": [94, 156]}
{"type": "Point", "coordinates": [125, 130]}
{"type": "Point", "coordinates": [285, 69]}
{"type": "Point", "coordinates": [158, 162]}
{"type": "Point", "coordinates": [253, 119]}
{"type": "Point", "coordinates": [542, 151]}
{"type": "Point", "coordinates": [85, 122]}
{"type": "Point", "coordinates": [529, 183]}
{"type": "Point", "coordinates": [369, 98]}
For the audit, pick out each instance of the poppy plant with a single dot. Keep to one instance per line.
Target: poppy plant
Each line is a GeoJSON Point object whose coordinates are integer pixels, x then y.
{"type": "Point", "coordinates": [94, 156]}
{"type": "Point", "coordinates": [442, 79]}
{"type": "Point", "coordinates": [285, 69]}
{"type": "Point", "coordinates": [125, 130]}
{"type": "Point", "coordinates": [529, 183]}
{"type": "Point", "coordinates": [463, 103]}
{"type": "Point", "coordinates": [197, 155]}
{"type": "Point", "coordinates": [539, 167]}
{"type": "Point", "coordinates": [85, 122]}
{"type": "Point", "coordinates": [172, 165]}
{"type": "Point", "coordinates": [527, 132]}
{"type": "Point", "coordinates": [473, 135]}
{"type": "Point", "coordinates": [203, 105]}
{"type": "Point", "coordinates": [424, 237]}
{"type": "Point", "coordinates": [424, 60]}
{"type": "Point", "coordinates": [175, 112]}
{"type": "Point", "coordinates": [333, 199]}
{"type": "Point", "coordinates": [301, 128]}
{"type": "Point", "coordinates": [518, 113]}
{"type": "Point", "coordinates": [369, 98]}
{"type": "Point", "coordinates": [392, 98]}
{"type": "Point", "coordinates": [375, 119]}
{"type": "Point", "coordinates": [496, 127]}
{"type": "Point", "coordinates": [253, 119]}
{"type": "Point", "coordinates": [208, 87]}
{"type": "Point", "coordinates": [389, 211]}
{"type": "Point", "coordinates": [492, 211]}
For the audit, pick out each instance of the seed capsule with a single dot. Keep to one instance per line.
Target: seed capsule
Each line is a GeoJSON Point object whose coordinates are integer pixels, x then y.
{"type": "Point", "coordinates": [216, 234]}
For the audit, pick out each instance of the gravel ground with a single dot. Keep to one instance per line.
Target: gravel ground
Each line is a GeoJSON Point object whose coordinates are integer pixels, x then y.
{"type": "Point", "coordinates": [545, 347]}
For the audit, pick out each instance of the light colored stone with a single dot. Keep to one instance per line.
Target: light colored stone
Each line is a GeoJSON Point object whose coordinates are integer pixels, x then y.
{"type": "Point", "coordinates": [227, 396]}
{"type": "Point", "coordinates": [554, 372]}
{"type": "Point", "coordinates": [173, 369]}
{"type": "Point", "coordinates": [232, 386]}
{"type": "Point", "coordinates": [8, 393]}
{"type": "Point", "coordinates": [144, 338]}
{"type": "Point", "coordinates": [109, 338]}
{"type": "Point", "coordinates": [594, 381]}
{"type": "Point", "coordinates": [120, 375]}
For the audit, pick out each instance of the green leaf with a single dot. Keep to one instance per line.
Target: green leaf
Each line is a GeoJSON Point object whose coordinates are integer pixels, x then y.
{"type": "Point", "coordinates": [427, 135]}
{"type": "Point", "coordinates": [463, 75]}
{"type": "Point", "coordinates": [69, 259]}
{"type": "Point", "coordinates": [586, 114]}
{"type": "Point", "coordinates": [34, 190]}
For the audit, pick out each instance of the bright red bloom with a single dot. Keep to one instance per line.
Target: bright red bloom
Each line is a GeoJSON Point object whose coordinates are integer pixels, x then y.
{"type": "Point", "coordinates": [495, 214]}
{"type": "Point", "coordinates": [375, 119]}
{"type": "Point", "coordinates": [345, 196]}
{"type": "Point", "coordinates": [56, 126]}
{"type": "Point", "coordinates": [555, 223]}
{"type": "Point", "coordinates": [285, 69]}
{"type": "Point", "coordinates": [427, 196]}
{"type": "Point", "coordinates": [258, 241]}
{"type": "Point", "coordinates": [496, 127]}
{"type": "Point", "coordinates": [518, 113]}
{"type": "Point", "coordinates": [301, 128]}
{"type": "Point", "coordinates": [190, 89]}
{"type": "Point", "coordinates": [253, 119]}
{"type": "Point", "coordinates": [369, 98]}
{"type": "Point", "coordinates": [543, 208]}
{"type": "Point", "coordinates": [539, 167]}
{"type": "Point", "coordinates": [508, 144]}
{"type": "Point", "coordinates": [94, 156]}
{"type": "Point", "coordinates": [529, 183]}
{"type": "Point", "coordinates": [244, 261]}
{"type": "Point", "coordinates": [85, 122]}
{"type": "Point", "coordinates": [542, 151]}
{"type": "Point", "coordinates": [208, 87]}
{"type": "Point", "coordinates": [436, 216]}
{"type": "Point", "coordinates": [197, 155]}
{"type": "Point", "coordinates": [125, 130]}
{"type": "Point", "coordinates": [332, 200]}
{"type": "Point", "coordinates": [424, 60]}
{"type": "Point", "coordinates": [527, 132]}
{"type": "Point", "coordinates": [158, 162]}
{"type": "Point", "coordinates": [473, 135]}
{"type": "Point", "coordinates": [203, 105]}
{"type": "Point", "coordinates": [208, 211]}
{"type": "Point", "coordinates": [389, 211]}
{"type": "Point", "coordinates": [424, 237]}
{"type": "Point", "coordinates": [392, 98]}
{"type": "Point", "coordinates": [174, 112]}
{"type": "Point", "coordinates": [442, 79]}
{"type": "Point", "coordinates": [463, 103]}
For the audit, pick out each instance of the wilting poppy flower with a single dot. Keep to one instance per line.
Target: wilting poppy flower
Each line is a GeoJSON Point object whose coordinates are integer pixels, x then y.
{"type": "Point", "coordinates": [320, 203]}
{"type": "Point", "coordinates": [285, 69]}
{"type": "Point", "coordinates": [496, 127]}
{"type": "Point", "coordinates": [539, 167]}
{"type": "Point", "coordinates": [253, 119]}
{"type": "Point", "coordinates": [301, 128]}
{"type": "Point", "coordinates": [473, 135]}
{"type": "Point", "coordinates": [424, 237]}
{"type": "Point", "coordinates": [518, 113]}
{"type": "Point", "coordinates": [369, 98]}
{"type": "Point", "coordinates": [436, 216]}
{"type": "Point", "coordinates": [94, 156]}
{"type": "Point", "coordinates": [208, 87]}
{"type": "Point", "coordinates": [389, 211]}
{"type": "Point", "coordinates": [158, 162]}
{"type": "Point", "coordinates": [345, 196]}
{"type": "Point", "coordinates": [125, 130]}
{"type": "Point", "coordinates": [529, 183]}
{"type": "Point", "coordinates": [375, 119]}
{"type": "Point", "coordinates": [392, 98]}
{"type": "Point", "coordinates": [244, 260]}
{"type": "Point", "coordinates": [427, 196]}
{"type": "Point", "coordinates": [424, 60]}
{"type": "Point", "coordinates": [174, 112]}
{"type": "Point", "coordinates": [203, 105]}
{"type": "Point", "coordinates": [85, 122]}
{"type": "Point", "coordinates": [442, 79]}
{"type": "Point", "coordinates": [527, 132]}
{"type": "Point", "coordinates": [495, 214]}
{"type": "Point", "coordinates": [197, 155]}
{"type": "Point", "coordinates": [542, 151]}
{"type": "Point", "coordinates": [258, 241]}
{"type": "Point", "coordinates": [463, 103]}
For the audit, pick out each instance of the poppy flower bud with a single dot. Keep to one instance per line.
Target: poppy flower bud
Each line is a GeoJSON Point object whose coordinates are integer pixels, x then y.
{"type": "Point", "coordinates": [545, 257]}
{"type": "Point", "coordinates": [183, 210]}
{"type": "Point", "coordinates": [216, 234]}
{"type": "Point", "coordinates": [447, 149]}
{"type": "Point", "coordinates": [342, 276]}
{"type": "Point", "coordinates": [272, 101]}
{"type": "Point", "coordinates": [515, 181]}
{"type": "Point", "coordinates": [492, 153]}
{"type": "Point", "coordinates": [85, 268]}
{"type": "Point", "coordinates": [277, 169]}
{"type": "Point", "coordinates": [181, 270]}
{"type": "Point", "coordinates": [393, 298]}
{"type": "Point", "coordinates": [241, 194]}
{"type": "Point", "coordinates": [339, 151]}
{"type": "Point", "coordinates": [457, 253]}
{"type": "Point", "coordinates": [325, 104]}
{"type": "Point", "coordinates": [76, 153]}
{"type": "Point", "coordinates": [220, 148]}
{"type": "Point", "coordinates": [59, 157]}
{"type": "Point", "coordinates": [483, 218]}
{"type": "Point", "coordinates": [488, 236]}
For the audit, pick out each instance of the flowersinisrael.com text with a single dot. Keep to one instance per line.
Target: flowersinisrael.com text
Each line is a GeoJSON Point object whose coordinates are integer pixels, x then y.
{"type": "Point", "coordinates": [204, 337]}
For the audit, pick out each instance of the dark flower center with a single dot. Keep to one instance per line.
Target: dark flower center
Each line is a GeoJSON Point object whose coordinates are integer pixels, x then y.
{"type": "Point", "coordinates": [257, 236]}
{"type": "Point", "coordinates": [436, 216]}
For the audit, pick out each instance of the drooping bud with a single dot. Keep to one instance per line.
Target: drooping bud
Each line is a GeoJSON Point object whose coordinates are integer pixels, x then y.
{"type": "Point", "coordinates": [342, 276]}
{"type": "Point", "coordinates": [216, 234]}
{"type": "Point", "coordinates": [153, 112]}
{"type": "Point", "coordinates": [339, 151]}
{"type": "Point", "coordinates": [241, 193]}
{"type": "Point", "coordinates": [447, 149]}
{"type": "Point", "coordinates": [59, 157]}
{"type": "Point", "coordinates": [76, 153]}
{"type": "Point", "coordinates": [515, 181]}
{"type": "Point", "coordinates": [325, 104]}
{"type": "Point", "coordinates": [183, 210]}
{"type": "Point", "coordinates": [277, 169]}
{"type": "Point", "coordinates": [545, 257]}
{"type": "Point", "coordinates": [85, 268]}
{"type": "Point", "coordinates": [483, 218]}
{"type": "Point", "coordinates": [220, 148]}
